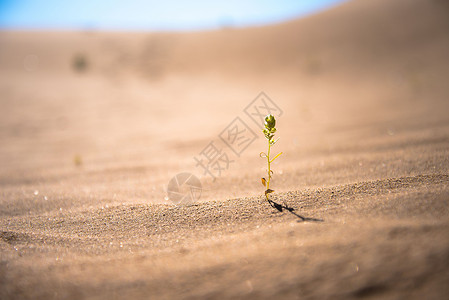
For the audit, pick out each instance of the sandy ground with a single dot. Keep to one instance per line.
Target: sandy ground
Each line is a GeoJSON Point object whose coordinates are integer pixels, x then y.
{"type": "Point", "coordinates": [93, 125]}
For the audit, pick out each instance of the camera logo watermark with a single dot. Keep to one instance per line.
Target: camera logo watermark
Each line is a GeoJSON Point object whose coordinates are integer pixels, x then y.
{"type": "Point", "coordinates": [184, 188]}
{"type": "Point", "coordinates": [214, 160]}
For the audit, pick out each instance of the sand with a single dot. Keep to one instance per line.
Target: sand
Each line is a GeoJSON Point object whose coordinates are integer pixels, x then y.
{"type": "Point", "coordinates": [93, 125]}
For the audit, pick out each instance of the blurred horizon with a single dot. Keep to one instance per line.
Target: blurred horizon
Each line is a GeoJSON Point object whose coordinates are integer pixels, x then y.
{"type": "Point", "coordinates": [151, 15]}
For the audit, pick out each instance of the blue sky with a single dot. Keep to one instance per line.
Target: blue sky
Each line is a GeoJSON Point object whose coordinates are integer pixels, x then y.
{"type": "Point", "coordinates": [151, 15]}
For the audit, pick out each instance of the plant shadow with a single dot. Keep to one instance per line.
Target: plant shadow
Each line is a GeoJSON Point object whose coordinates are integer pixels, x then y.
{"type": "Point", "coordinates": [281, 207]}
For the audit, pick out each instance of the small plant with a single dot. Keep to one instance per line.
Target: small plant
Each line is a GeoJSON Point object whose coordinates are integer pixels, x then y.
{"type": "Point", "coordinates": [80, 63]}
{"type": "Point", "coordinates": [77, 160]}
{"type": "Point", "coordinates": [269, 130]}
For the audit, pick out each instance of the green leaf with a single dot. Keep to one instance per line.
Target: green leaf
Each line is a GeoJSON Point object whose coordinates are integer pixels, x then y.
{"type": "Point", "coordinates": [276, 156]}
{"type": "Point", "coordinates": [270, 121]}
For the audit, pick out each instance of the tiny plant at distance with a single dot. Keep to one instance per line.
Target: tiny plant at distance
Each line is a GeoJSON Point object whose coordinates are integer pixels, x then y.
{"type": "Point", "coordinates": [268, 131]}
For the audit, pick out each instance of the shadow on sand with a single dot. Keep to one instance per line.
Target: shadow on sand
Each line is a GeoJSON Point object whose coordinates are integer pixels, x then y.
{"type": "Point", "coordinates": [280, 208]}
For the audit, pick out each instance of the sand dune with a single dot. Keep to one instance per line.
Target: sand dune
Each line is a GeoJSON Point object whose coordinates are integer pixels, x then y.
{"type": "Point", "coordinates": [93, 125]}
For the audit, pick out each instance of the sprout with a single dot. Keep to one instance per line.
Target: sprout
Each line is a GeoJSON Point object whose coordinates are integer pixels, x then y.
{"type": "Point", "coordinates": [269, 131]}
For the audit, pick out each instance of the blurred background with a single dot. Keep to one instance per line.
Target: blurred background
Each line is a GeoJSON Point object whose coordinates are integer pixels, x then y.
{"type": "Point", "coordinates": [152, 15]}
{"type": "Point", "coordinates": [104, 102]}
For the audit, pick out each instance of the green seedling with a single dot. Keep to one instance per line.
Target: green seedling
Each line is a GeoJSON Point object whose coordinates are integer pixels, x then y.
{"type": "Point", "coordinates": [77, 160]}
{"type": "Point", "coordinates": [269, 131]}
{"type": "Point", "coordinates": [80, 63]}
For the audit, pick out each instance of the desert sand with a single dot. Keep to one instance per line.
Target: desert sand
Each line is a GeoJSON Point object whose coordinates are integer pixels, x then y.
{"type": "Point", "coordinates": [93, 125]}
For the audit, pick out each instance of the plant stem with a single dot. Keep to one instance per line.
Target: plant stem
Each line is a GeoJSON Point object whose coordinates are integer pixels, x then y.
{"type": "Point", "coordinates": [269, 167]}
